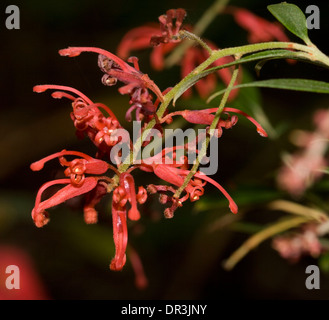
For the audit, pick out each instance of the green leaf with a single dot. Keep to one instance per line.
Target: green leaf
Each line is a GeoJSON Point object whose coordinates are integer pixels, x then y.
{"type": "Point", "coordinates": [292, 18]}
{"type": "Point", "coordinates": [324, 263]}
{"type": "Point", "coordinates": [286, 84]}
{"type": "Point", "coordinates": [268, 54]}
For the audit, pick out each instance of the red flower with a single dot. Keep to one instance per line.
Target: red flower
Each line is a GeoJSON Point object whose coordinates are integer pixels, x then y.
{"type": "Point", "coordinates": [175, 175]}
{"type": "Point", "coordinates": [170, 24]}
{"type": "Point", "coordinates": [88, 118]}
{"type": "Point", "coordinates": [116, 69]}
{"type": "Point", "coordinates": [164, 40]}
{"type": "Point", "coordinates": [205, 116]}
{"type": "Point", "coordinates": [123, 194]}
{"type": "Point", "coordinates": [259, 29]}
{"type": "Point", "coordinates": [77, 185]}
{"type": "Point", "coordinates": [94, 187]}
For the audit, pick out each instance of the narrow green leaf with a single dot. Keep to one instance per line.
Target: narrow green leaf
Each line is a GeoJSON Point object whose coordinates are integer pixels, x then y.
{"type": "Point", "coordinates": [286, 84]}
{"type": "Point", "coordinates": [292, 18]}
{"type": "Point", "coordinates": [268, 54]}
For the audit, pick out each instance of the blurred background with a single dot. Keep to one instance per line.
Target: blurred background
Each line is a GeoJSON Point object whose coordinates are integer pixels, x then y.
{"type": "Point", "coordinates": [183, 256]}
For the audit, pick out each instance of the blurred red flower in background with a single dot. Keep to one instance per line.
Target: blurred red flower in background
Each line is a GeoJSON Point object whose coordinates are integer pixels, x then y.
{"type": "Point", "coordinates": [30, 284]}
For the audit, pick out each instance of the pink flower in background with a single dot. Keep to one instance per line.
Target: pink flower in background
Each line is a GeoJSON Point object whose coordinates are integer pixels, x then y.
{"type": "Point", "coordinates": [306, 165]}
{"type": "Point", "coordinates": [294, 246]}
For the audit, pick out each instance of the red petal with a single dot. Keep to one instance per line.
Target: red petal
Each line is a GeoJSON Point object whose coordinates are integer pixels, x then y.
{"type": "Point", "coordinates": [120, 237]}
{"type": "Point", "coordinates": [68, 192]}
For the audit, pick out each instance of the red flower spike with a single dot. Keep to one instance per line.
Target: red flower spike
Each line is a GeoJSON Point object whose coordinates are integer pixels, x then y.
{"type": "Point", "coordinates": [116, 68]}
{"type": "Point", "coordinates": [121, 195]}
{"type": "Point", "coordinates": [120, 232]}
{"type": "Point", "coordinates": [70, 191]}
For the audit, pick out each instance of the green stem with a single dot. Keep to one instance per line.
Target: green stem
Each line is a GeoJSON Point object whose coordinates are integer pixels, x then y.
{"type": "Point", "coordinates": [299, 209]}
{"type": "Point", "coordinates": [261, 236]}
{"type": "Point", "coordinates": [206, 142]}
{"type": "Point", "coordinates": [194, 37]}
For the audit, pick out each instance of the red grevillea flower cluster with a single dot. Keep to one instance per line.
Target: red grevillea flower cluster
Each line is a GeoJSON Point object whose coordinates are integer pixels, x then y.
{"type": "Point", "coordinates": [164, 39]}
{"type": "Point", "coordinates": [89, 176]}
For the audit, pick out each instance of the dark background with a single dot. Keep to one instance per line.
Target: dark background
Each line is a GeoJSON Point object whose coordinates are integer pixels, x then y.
{"type": "Point", "coordinates": [182, 256]}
